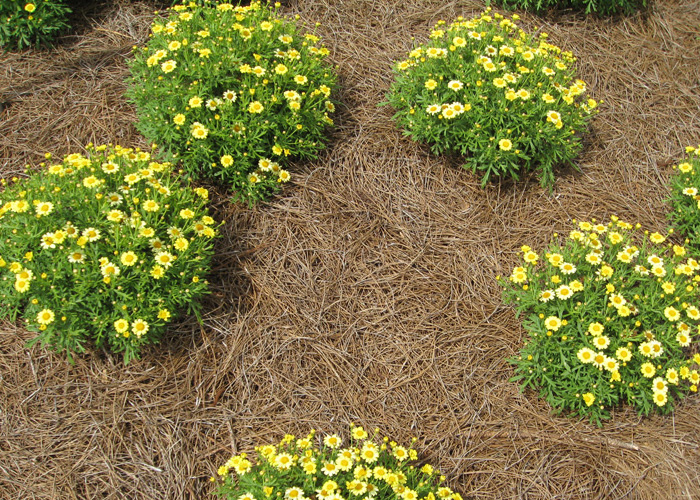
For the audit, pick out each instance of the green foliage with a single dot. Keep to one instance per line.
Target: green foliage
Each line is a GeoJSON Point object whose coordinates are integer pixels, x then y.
{"type": "Point", "coordinates": [108, 247]}
{"type": "Point", "coordinates": [26, 24]}
{"type": "Point", "coordinates": [235, 92]}
{"type": "Point", "coordinates": [300, 469]}
{"type": "Point", "coordinates": [601, 7]}
{"type": "Point", "coordinates": [685, 198]}
{"type": "Point", "coordinates": [485, 89]}
{"type": "Point", "coordinates": [611, 318]}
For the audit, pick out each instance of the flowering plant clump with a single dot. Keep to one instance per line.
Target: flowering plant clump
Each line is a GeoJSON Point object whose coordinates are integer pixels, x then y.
{"type": "Point", "coordinates": [612, 317]}
{"type": "Point", "coordinates": [108, 247]}
{"type": "Point", "coordinates": [602, 7]}
{"type": "Point", "coordinates": [685, 198]}
{"type": "Point", "coordinates": [24, 24]}
{"type": "Point", "coordinates": [485, 89]}
{"type": "Point", "coordinates": [300, 469]}
{"type": "Point", "coordinates": [235, 92]}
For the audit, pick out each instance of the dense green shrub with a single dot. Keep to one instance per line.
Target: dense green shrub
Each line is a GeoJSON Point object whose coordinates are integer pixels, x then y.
{"type": "Point", "coordinates": [24, 24]}
{"type": "Point", "coordinates": [602, 7]}
{"type": "Point", "coordinates": [485, 89]}
{"type": "Point", "coordinates": [108, 247]}
{"type": "Point", "coordinates": [306, 468]}
{"type": "Point", "coordinates": [612, 317]}
{"type": "Point", "coordinates": [235, 92]}
{"type": "Point", "coordinates": [685, 198]}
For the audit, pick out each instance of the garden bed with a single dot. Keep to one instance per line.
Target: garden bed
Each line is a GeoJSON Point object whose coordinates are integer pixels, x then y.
{"type": "Point", "coordinates": [366, 290]}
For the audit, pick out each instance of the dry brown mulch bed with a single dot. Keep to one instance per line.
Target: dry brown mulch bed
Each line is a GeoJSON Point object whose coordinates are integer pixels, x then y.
{"type": "Point", "coordinates": [366, 291]}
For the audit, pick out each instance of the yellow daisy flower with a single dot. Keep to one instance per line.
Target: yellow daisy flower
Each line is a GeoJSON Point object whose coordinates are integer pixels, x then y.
{"type": "Point", "coordinates": [505, 144]}
{"type": "Point", "coordinates": [45, 317]}
{"type": "Point", "coordinates": [128, 258]}
{"type": "Point", "coordinates": [139, 327]}
{"type": "Point", "coordinates": [121, 325]}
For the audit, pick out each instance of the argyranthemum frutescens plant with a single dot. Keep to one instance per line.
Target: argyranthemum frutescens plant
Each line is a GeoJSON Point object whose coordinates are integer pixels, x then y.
{"type": "Point", "coordinates": [612, 317]}
{"type": "Point", "coordinates": [108, 247]}
{"type": "Point", "coordinates": [685, 198]}
{"type": "Point", "coordinates": [485, 89]}
{"type": "Point", "coordinates": [301, 469]}
{"type": "Point", "coordinates": [24, 24]}
{"type": "Point", "coordinates": [234, 92]}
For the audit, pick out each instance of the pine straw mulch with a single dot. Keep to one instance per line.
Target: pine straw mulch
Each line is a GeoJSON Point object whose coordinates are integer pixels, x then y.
{"type": "Point", "coordinates": [363, 293]}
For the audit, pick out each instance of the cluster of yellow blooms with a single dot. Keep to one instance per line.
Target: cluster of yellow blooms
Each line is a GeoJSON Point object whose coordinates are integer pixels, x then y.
{"type": "Point", "coordinates": [106, 231]}
{"type": "Point", "coordinates": [627, 310]}
{"type": "Point", "coordinates": [275, 91]}
{"type": "Point", "coordinates": [298, 470]}
{"type": "Point", "coordinates": [483, 88]}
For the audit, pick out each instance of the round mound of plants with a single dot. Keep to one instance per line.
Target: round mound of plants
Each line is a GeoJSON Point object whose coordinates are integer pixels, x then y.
{"type": "Point", "coordinates": [600, 7]}
{"type": "Point", "coordinates": [329, 469]}
{"type": "Point", "coordinates": [106, 248]}
{"type": "Point", "coordinates": [612, 318]}
{"type": "Point", "coordinates": [484, 89]}
{"type": "Point", "coordinates": [234, 92]}
{"type": "Point", "coordinates": [26, 24]}
{"type": "Point", "coordinates": [685, 198]}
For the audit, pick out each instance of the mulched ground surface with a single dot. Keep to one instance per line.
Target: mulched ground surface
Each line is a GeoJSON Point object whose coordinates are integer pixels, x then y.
{"type": "Point", "coordinates": [366, 291]}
